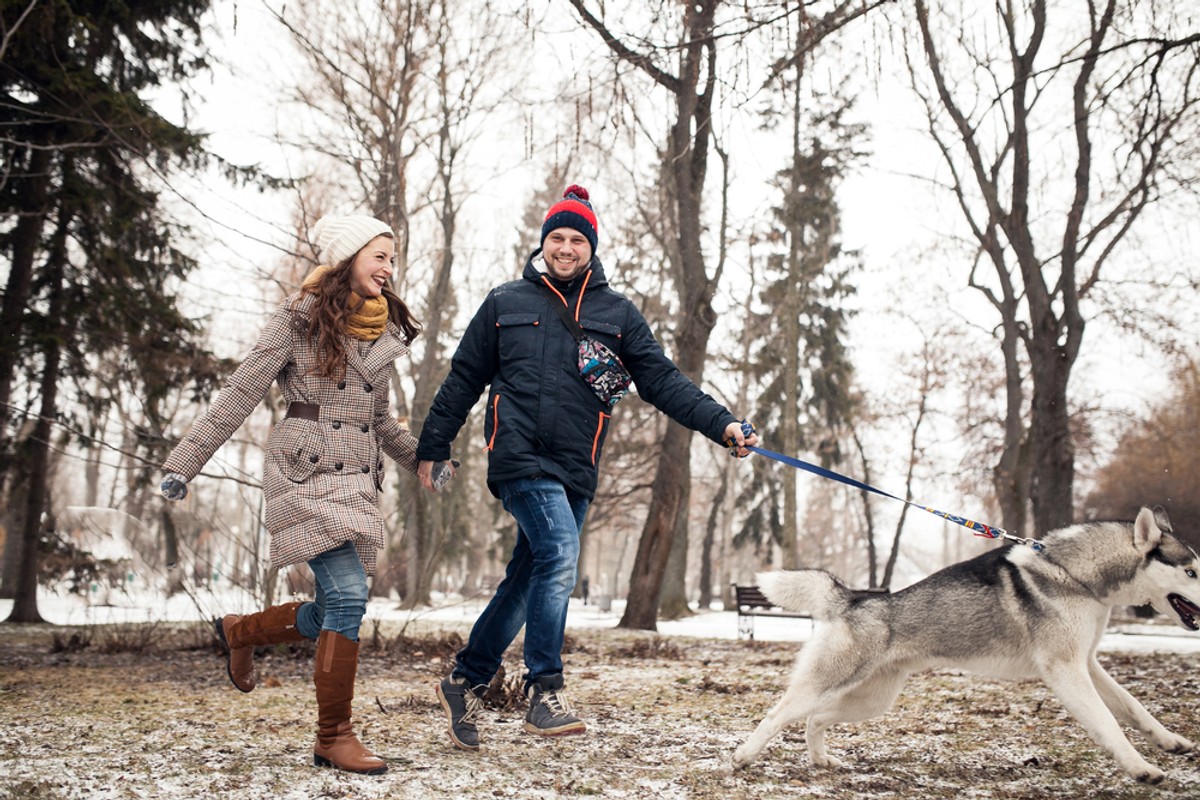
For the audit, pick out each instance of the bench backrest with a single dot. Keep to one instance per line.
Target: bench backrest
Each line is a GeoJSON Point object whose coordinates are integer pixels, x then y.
{"type": "Point", "coordinates": [752, 597]}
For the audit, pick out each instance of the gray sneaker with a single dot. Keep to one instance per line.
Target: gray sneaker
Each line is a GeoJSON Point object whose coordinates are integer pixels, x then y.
{"type": "Point", "coordinates": [549, 713]}
{"type": "Point", "coordinates": [463, 705]}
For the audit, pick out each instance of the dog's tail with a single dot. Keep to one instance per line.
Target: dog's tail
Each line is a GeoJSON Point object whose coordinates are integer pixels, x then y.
{"type": "Point", "coordinates": [809, 591]}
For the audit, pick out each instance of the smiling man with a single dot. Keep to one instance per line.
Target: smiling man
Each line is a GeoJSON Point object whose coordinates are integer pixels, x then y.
{"type": "Point", "coordinates": [545, 431]}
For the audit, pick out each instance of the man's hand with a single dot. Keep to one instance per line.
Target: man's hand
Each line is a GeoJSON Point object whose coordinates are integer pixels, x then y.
{"type": "Point", "coordinates": [425, 473]}
{"type": "Point", "coordinates": [738, 435]}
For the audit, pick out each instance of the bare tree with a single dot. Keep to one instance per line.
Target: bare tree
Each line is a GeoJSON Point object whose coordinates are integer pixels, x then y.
{"type": "Point", "coordinates": [467, 55]}
{"type": "Point", "coordinates": [680, 59]}
{"type": "Point", "coordinates": [692, 90]}
{"type": "Point", "coordinates": [406, 88]}
{"type": "Point", "coordinates": [1119, 100]}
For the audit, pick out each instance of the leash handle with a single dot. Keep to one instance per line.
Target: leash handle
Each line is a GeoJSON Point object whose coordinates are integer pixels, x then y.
{"type": "Point", "coordinates": [731, 443]}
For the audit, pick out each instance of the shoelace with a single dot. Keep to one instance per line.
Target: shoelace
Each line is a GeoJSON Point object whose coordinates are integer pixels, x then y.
{"type": "Point", "coordinates": [474, 706]}
{"type": "Point", "coordinates": [557, 703]}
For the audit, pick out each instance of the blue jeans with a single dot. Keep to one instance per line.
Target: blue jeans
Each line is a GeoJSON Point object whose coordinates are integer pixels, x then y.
{"type": "Point", "coordinates": [536, 586]}
{"type": "Point", "coordinates": [341, 594]}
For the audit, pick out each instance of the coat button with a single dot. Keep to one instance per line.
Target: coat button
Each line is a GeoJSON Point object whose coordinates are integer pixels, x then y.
{"type": "Point", "coordinates": [341, 384]}
{"type": "Point", "coordinates": [337, 426]}
{"type": "Point", "coordinates": [338, 466]}
{"type": "Point", "coordinates": [366, 469]}
{"type": "Point", "coordinates": [365, 427]}
{"type": "Point", "coordinates": [314, 458]}
{"type": "Point", "coordinates": [368, 388]}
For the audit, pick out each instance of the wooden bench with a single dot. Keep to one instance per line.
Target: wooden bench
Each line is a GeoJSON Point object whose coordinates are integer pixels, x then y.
{"type": "Point", "coordinates": [751, 603]}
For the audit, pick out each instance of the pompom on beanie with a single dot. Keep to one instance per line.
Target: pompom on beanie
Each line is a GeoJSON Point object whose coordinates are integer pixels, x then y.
{"type": "Point", "coordinates": [573, 211]}
{"type": "Point", "coordinates": [339, 238]}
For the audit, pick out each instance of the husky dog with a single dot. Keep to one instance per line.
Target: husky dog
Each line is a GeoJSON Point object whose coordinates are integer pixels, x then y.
{"type": "Point", "coordinates": [1011, 613]}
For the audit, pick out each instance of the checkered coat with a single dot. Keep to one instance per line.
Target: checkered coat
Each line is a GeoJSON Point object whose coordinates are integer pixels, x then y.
{"type": "Point", "coordinates": [321, 478]}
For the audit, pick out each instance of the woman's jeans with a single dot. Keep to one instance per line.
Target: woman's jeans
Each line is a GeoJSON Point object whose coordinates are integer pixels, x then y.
{"type": "Point", "coordinates": [536, 586]}
{"type": "Point", "coordinates": [341, 594]}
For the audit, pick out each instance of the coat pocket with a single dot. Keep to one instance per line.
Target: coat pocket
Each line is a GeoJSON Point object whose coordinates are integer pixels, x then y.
{"type": "Point", "coordinates": [518, 335]}
{"type": "Point", "coordinates": [604, 332]}
{"type": "Point", "coordinates": [297, 447]}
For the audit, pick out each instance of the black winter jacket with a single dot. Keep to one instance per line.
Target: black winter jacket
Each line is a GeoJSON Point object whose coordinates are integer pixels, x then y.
{"type": "Point", "coordinates": [542, 418]}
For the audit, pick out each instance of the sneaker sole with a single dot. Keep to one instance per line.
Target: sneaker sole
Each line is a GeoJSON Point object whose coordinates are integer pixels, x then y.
{"type": "Point", "coordinates": [573, 729]}
{"type": "Point", "coordinates": [450, 728]}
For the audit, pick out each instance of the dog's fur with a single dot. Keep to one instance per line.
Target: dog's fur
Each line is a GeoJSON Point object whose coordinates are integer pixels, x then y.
{"type": "Point", "coordinates": [1010, 613]}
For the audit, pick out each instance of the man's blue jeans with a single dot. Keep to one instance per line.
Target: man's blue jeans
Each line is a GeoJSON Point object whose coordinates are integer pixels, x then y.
{"type": "Point", "coordinates": [537, 584]}
{"type": "Point", "coordinates": [341, 595]}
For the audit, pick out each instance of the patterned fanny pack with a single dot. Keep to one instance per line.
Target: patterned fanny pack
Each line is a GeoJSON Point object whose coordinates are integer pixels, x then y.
{"type": "Point", "coordinates": [600, 368]}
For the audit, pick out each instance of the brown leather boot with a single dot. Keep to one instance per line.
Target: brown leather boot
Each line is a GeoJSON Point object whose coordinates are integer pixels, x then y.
{"type": "Point", "coordinates": [240, 635]}
{"type": "Point", "coordinates": [333, 673]}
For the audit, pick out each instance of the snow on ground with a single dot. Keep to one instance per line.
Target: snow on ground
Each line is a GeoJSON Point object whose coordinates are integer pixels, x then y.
{"type": "Point", "coordinates": [1124, 636]}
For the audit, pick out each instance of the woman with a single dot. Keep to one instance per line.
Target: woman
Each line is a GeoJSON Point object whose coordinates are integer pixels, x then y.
{"type": "Point", "coordinates": [330, 347]}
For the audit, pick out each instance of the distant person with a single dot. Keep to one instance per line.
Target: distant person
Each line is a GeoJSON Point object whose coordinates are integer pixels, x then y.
{"type": "Point", "coordinates": [330, 347]}
{"type": "Point", "coordinates": [584, 588]}
{"type": "Point", "coordinates": [531, 341]}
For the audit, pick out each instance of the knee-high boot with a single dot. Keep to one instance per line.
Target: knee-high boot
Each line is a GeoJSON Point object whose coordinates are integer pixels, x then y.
{"type": "Point", "coordinates": [333, 674]}
{"type": "Point", "coordinates": [240, 634]}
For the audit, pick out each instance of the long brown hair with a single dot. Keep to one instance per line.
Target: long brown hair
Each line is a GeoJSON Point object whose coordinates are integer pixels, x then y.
{"type": "Point", "coordinates": [331, 313]}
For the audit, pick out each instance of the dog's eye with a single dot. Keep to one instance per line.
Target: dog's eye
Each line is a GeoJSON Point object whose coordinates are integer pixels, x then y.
{"type": "Point", "coordinates": [1191, 573]}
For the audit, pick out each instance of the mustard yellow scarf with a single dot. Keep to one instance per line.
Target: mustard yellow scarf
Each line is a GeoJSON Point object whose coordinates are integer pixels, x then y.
{"type": "Point", "coordinates": [369, 321]}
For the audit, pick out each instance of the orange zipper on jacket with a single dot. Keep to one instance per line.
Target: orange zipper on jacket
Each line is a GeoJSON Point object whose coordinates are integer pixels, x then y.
{"type": "Point", "coordinates": [583, 288]}
{"type": "Point", "coordinates": [491, 445]}
{"type": "Point", "coordinates": [599, 430]}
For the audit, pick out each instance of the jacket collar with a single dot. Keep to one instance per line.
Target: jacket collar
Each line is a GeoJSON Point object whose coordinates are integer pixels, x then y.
{"type": "Point", "coordinates": [532, 273]}
{"type": "Point", "coordinates": [386, 349]}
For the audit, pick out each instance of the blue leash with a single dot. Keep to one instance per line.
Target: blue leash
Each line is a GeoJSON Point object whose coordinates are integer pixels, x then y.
{"type": "Point", "coordinates": [978, 528]}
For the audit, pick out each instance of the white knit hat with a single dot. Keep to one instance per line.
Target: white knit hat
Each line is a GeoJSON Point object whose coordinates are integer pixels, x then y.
{"type": "Point", "coordinates": [339, 238]}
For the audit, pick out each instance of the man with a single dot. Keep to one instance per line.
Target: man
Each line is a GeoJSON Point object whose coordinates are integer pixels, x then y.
{"type": "Point", "coordinates": [545, 431]}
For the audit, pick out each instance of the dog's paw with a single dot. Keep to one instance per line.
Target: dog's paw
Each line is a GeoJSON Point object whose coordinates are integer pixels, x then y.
{"type": "Point", "coordinates": [827, 761]}
{"type": "Point", "coordinates": [1149, 774]}
{"type": "Point", "coordinates": [741, 757]}
{"type": "Point", "coordinates": [1177, 744]}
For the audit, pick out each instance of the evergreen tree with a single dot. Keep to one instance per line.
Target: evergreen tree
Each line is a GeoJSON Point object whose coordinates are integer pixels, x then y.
{"type": "Point", "coordinates": [89, 248]}
{"type": "Point", "coordinates": [800, 363]}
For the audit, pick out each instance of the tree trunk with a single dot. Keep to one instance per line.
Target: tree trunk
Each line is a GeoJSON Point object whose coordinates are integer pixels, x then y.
{"type": "Point", "coordinates": [654, 548]}
{"type": "Point", "coordinates": [710, 536]}
{"type": "Point", "coordinates": [26, 238]}
{"type": "Point", "coordinates": [25, 607]}
{"type": "Point", "coordinates": [1053, 484]}
{"type": "Point", "coordinates": [674, 602]}
{"type": "Point", "coordinates": [14, 517]}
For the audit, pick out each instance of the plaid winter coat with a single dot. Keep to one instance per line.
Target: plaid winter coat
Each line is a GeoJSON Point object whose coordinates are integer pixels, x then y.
{"type": "Point", "coordinates": [321, 477]}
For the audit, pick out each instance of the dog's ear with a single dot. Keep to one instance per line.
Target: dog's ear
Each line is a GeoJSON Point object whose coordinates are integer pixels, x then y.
{"type": "Point", "coordinates": [1146, 531]}
{"type": "Point", "coordinates": [1161, 520]}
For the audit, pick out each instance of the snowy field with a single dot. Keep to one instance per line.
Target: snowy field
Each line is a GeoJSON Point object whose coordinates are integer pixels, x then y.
{"type": "Point", "coordinates": [158, 720]}
{"type": "Point", "coordinates": [1124, 636]}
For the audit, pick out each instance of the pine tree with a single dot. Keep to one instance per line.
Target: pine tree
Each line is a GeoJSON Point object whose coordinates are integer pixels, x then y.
{"type": "Point", "coordinates": [801, 363]}
{"type": "Point", "coordinates": [90, 250]}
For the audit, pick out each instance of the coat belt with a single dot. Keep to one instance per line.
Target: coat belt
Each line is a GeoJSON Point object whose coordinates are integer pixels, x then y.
{"type": "Point", "coordinates": [310, 411]}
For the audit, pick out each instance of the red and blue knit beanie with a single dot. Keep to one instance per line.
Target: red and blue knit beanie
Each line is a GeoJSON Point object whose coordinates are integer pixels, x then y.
{"type": "Point", "coordinates": [573, 211]}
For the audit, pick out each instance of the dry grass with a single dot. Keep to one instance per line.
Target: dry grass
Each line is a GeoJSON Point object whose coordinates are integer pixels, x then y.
{"type": "Point", "coordinates": [159, 720]}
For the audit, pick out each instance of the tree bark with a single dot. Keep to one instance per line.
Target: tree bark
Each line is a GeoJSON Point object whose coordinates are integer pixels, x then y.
{"type": "Point", "coordinates": [25, 608]}
{"type": "Point", "coordinates": [26, 238]}
{"type": "Point", "coordinates": [673, 602]}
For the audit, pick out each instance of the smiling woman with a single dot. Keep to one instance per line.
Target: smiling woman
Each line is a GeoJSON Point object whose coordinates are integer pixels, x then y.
{"type": "Point", "coordinates": [330, 347]}
{"type": "Point", "coordinates": [371, 269]}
